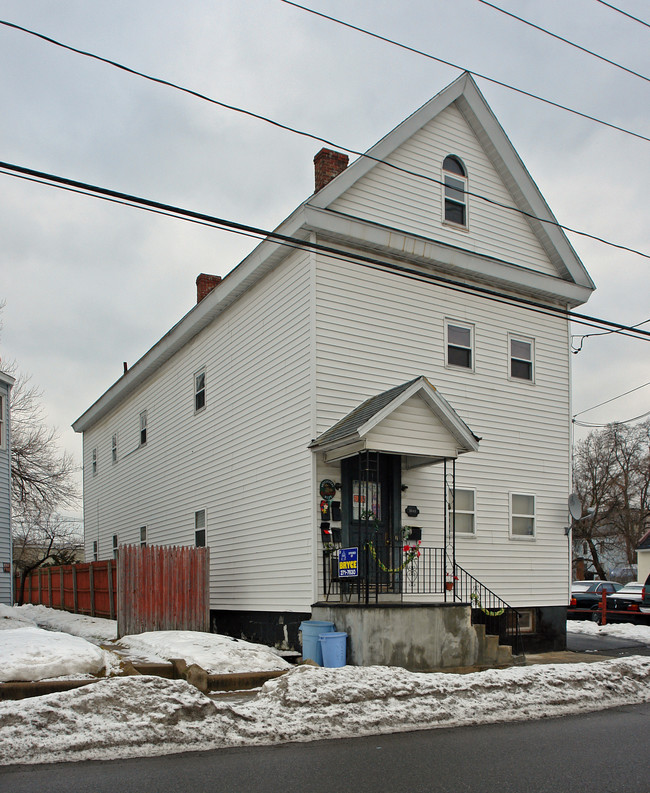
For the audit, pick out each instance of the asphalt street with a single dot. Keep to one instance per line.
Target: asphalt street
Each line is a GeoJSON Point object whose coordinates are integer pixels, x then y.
{"type": "Point", "coordinates": [605, 645]}
{"type": "Point", "coordinates": [606, 751]}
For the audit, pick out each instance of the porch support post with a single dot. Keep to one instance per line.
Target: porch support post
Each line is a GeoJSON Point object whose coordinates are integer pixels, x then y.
{"type": "Point", "coordinates": [445, 497]}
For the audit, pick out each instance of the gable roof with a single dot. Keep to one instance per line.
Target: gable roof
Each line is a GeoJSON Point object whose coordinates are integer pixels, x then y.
{"type": "Point", "coordinates": [492, 137]}
{"type": "Point", "coordinates": [314, 216]}
{"type": "Point", "coordinates": [353, 432]}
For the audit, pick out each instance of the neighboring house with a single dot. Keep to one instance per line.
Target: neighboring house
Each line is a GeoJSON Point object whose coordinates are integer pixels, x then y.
{"type": "Point", "coordinates": [310, 396]}
{"type": "Point", "coordinates": [643, 557]}
{"type": "Point", "coordinates": [6, 382]}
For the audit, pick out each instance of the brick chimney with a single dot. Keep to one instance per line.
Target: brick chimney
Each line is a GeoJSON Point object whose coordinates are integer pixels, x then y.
{"type": "Point", "coordinates": [327, 165]}
{"type": "Point", "coordinates": [205, 284]}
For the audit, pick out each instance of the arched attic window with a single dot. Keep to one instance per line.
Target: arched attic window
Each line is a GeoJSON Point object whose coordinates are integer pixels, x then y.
{"type": "Point", "coordinates": [455, 198]}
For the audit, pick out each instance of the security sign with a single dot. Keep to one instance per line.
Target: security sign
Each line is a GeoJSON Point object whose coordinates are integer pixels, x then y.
{"type": "Point", "coordinates": [348, 563]}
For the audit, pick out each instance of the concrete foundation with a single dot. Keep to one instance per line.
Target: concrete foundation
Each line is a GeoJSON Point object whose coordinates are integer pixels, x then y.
{"type": "Point", "coordinates": [419, 637]}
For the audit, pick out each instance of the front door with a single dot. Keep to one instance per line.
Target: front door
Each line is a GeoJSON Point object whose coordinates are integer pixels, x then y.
{"type": "Point", "coordinates": [370, 496]}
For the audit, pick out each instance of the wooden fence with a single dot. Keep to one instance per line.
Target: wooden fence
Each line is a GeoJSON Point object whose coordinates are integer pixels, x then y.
{"type": "Point", "coordinates": [85, 588]}
{"type": "Point", "coordinates": [163, 588]}
{"type": "Point", "coordinates": [148, 588]}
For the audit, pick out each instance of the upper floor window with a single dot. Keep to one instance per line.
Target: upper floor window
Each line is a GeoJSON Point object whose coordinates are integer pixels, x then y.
{"type": "Point", "coordinates": [95, 551]}
{"type": "Point", "coordinates": [94, 462]}
{"type": "Point", "coordinates": [521, 358]}
{"type": "Point", "coordinates": [143, 536]}
{"type": "Point", "coordinates": [143, 428]}
{"type": "Point", "coordinates": [115, 546]}
{"type": "Point", "coordinates": [455, 191]}
{"type": "Point", "coordinates": [199, 528]}
{"type": "Point", "coordinates": [522, 515]}
{"type": "Point", "coordinates": [464, 504]}
{"type": "Point", "coordinates": [460, 343]}
{"type": "Point", "coordinates": [199, 390]}
{"type": "Point", "coordinates": [114, 448]}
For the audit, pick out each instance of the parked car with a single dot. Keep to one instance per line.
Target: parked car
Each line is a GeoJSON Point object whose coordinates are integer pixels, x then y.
{"type": "Point", "coordinates": [645, 597]}
{"type": "Point", "coordinates": [586, 595]}
{"type": "Point", "coordinates": [627, 596]}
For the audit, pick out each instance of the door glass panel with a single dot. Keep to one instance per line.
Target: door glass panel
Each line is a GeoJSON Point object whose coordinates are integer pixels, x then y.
{"type": "Point", "coordinates": [366, 500]}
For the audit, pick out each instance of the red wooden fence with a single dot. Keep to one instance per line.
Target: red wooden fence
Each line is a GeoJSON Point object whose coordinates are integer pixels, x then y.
{"type": "Point", "coordinates": [163, 588]}
{"type": "Point", "coordinates": [86, 588]}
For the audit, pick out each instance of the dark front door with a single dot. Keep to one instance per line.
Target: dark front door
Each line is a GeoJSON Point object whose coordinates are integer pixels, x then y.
{"type": "Point", "coordinates": [371, 515]}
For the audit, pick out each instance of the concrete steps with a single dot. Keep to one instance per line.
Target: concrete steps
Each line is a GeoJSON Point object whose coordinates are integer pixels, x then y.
{"type": "Point", "coordinates": [490, 652]}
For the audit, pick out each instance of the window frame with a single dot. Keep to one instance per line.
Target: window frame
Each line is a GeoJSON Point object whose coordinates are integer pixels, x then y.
{"type": "Point", "coordinates": [452, 200]}
{"type": "Point", "coordinates": [114, 448]}
{"type": "Point", "coordinates": [143, 537]}
{"type": "Point", "coordinates": [472, 512]}
{"type": "Point", "coordinates": [524, 340]}
{"type": "Point", "coordinates": [513, 515]}
{"type": "Point", "coordinates": [461, 325]}
{"type": "Point", "coordinates": [95, 550]}
{"type": "Point", "coordinates": [198, 529]}
{"type": "Point", "coordinates": [93, 461]}
{"type": "Point", "coordinates": [116, 544]}
{"type": "Point", "coordinates": [143, 427]}
{"type": "Point", "coordinates": [199, 391]}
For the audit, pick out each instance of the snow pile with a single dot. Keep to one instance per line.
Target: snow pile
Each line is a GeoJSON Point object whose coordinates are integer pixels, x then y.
{"type": "Point", "coordinates": [29, 653]}
{"type": "Point", "coordinates": [10, 619]}
{"type": "Point", "coordinates": [215, 653]}
{"type": "Point", "coordinates": [140, 716]}
{"type": "Point", "coordinates": [93, 629]}
{"type": "Point", "coordinates": [636, 633]}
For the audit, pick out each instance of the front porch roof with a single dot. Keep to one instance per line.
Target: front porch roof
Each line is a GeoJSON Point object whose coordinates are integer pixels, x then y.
{"type": "Point", "coordinates": [412, 419]}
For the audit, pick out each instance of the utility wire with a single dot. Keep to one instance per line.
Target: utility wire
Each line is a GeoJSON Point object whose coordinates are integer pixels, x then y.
{"type": "Point", "coordinates": [625, 14]}
{"type": "Point", "coordinates": [462, 68]}
{"type": "Point", "coordinates": [566, 41]}
{"type": "Point", "coordinates": [607, 401]}
{"type": "Point", "coordinates": [584, 336]}
{"type": "Point", "coordinates": [347, 256]}
{"type": "Point", "coordinates": [625, 421]}
{"type": "Point", "coordinates": [548, 221]}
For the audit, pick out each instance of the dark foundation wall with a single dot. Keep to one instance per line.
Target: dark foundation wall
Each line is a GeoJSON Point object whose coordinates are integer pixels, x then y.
{"type": "Point", "coordinates": [550, 630]}
{"type": "Point", "coordinates": [274, 628]}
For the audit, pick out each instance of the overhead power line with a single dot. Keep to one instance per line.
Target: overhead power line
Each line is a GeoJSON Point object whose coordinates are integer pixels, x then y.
{"type": "Point", "coordinates": [242, 228]}
{"type": "Point", "coordinates": [565, 41]}
{"type": "Point", "coordinates": [613, 399]}
{"type": "Point", "coordinates": [624, 421]}
{"type": "Point", "coordinates": [625, 14]}
{"type": "Point", "coordinates": [425, 177]}
{"type": "Point", "coordinates": [584, 336]}
{"type": "Point", "coordinates": [493, 80]}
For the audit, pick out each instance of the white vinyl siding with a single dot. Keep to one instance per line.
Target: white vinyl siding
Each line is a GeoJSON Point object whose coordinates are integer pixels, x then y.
{"type": "Point", "coordinates": [5, 499]}
{"type": "Point", "coordinates": [365, 346]}
{"type": "Point", "coordinates": [402, 201]}
{"type": "Point", "coordinates": [244, 458]}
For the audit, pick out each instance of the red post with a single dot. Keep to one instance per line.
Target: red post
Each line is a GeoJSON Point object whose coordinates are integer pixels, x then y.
{"type": "Point", "coordinates": [603, 606]}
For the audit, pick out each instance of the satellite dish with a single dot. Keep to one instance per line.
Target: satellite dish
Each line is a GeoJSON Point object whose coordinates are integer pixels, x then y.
{"type": "Point", "coordinates": [575, 506]}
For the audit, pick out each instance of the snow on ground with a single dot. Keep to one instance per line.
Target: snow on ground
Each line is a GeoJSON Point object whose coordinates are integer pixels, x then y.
{"type": "Point", "coordinates": [637, 633]}
{"type": "Point", "coordinates": [93, 629]}
{"type": "Point", "coordinates": [215, 653]}
{"type": "Point", "coordinates": [144, 716]}
{"type": "Point", "coordinates": [30, 653]}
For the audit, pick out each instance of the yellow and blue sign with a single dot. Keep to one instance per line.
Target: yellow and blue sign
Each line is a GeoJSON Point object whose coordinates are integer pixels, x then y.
{"type": "Point", "coordinates": [348, 563]}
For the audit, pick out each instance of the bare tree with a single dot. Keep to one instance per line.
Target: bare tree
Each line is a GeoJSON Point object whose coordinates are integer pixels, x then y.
{"type": "Point", "coordinates": [39, 538]}
{"type": "Point", "coordinates": [611, 474]}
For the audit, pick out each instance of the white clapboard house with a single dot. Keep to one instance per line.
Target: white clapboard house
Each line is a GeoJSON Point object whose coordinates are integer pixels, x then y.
{"type": "Point", "coordinates": [340, 393]}
{"type": "Point", "coordinates": [6, 594]}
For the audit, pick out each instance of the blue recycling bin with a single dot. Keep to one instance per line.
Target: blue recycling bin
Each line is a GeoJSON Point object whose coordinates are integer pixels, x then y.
{"type": "Point", "coordinates": [333, 646]}
{"type": "Point", "coordinates": [311, 630]}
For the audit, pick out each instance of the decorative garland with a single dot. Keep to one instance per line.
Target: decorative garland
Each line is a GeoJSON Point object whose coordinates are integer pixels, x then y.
{"type": "Point", "coordinates": [488, 613]}
{"type": "Point", "coordinates": [411, 554]}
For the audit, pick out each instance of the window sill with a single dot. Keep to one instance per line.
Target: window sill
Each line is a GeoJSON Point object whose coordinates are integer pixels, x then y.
{"type": "Point", "coordinates": [523, 537]}
{"type": "Point", "coordinates": [457, 226]}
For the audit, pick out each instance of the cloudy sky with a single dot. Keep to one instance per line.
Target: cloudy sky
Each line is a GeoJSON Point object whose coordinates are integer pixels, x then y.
{"type": "Point", "coordinates": [88, 284]}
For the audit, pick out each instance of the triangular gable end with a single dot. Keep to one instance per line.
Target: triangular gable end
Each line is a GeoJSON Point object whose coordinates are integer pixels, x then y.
{"type": "Point", "coordinates": [413, 420]}
{"type": "Point", "coordinates": [457, 121]}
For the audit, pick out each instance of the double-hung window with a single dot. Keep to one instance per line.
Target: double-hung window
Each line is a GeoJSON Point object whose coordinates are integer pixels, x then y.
{"type": "Point", "coordinates": [459, 339]}
{"type": "Point", "coordinates": [199, 528]}
{"type": "Point", "coordinates": [522, 515]}
{"type": "Point", "coordinates": [143, 536]}
{"type": "Point", "coordinates": [521, 358]}
{"type": "Point", "coordinates": [94, 462]}
{"type": "Point", "coordinates": [95, 550]}
{"type": "Point", "coordinates": [114, 447]}
{"type": "Point", "coordinates": [115, 546]}
{"type": "Point", "coordinates": [455, 191]}
{"type": "Point", "coordinates": [199, 390]}
{"type": "Point", "coordinates": [143, 427]}
{"type": "Point", "coordinates": [463, 504]}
